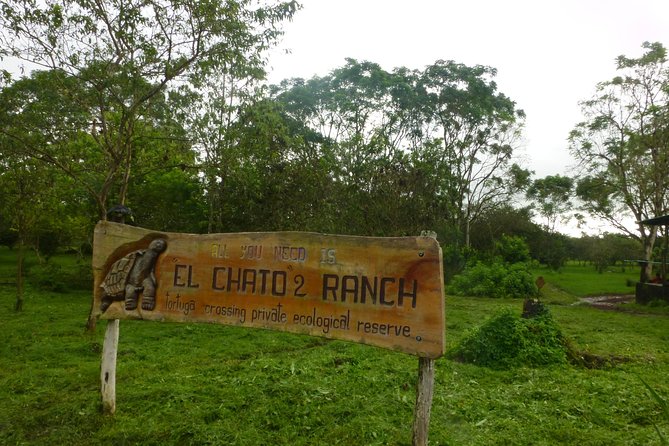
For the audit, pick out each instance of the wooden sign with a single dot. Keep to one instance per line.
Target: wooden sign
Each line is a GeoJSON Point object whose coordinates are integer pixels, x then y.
{"type": "Point", "coordinates": [386, 292]}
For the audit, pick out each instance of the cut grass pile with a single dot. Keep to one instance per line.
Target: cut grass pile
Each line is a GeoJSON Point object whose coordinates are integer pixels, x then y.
{"type": "Point", "coordinates": [206, 384]}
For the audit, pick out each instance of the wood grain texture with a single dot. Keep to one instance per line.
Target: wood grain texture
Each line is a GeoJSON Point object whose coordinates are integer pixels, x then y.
{"type": "Point", "coordinates": [386, 292]}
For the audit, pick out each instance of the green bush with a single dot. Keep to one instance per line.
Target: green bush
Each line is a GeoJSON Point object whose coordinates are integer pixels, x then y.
{"type": "Point", "coordinates": [507, 340]}
{"type": "Point", "coordinates": [494, 280]}
{"type": "Point", "coordinates": [513, 249]}
{"type": "Point", "coordinates": [53, 277]}
{"type": "Point", "coordinates": [48, 277]}
{"type": "Point", "coordinates": [81, 278]}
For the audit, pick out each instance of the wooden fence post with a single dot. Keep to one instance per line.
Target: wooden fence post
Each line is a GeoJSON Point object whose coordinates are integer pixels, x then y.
{"type": "Point", "coordinates": [108, 367]}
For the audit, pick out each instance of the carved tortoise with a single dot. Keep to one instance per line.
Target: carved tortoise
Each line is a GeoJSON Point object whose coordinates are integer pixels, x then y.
{"type": "Point", "coordinates": [132, 275]}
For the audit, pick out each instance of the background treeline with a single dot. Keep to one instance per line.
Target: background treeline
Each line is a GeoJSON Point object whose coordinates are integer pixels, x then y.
{"type": "Point", "coordinates": [166, 110]}
{"type": "Point", "coordinates": [360, 151]}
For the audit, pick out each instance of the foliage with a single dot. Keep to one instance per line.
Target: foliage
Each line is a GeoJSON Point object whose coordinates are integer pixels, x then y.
{"type": "Point", "coordinates": [550, 249]}
{"type": "Point", "coordinates": [512, 249]}
{"type": "Point", "coordinates": [112, 66]}
{"type": "Point", "coordinates": [606, 250]}
{"type": "Point", "coordinates": [408, 149]}
{"type": "Point", "coordinates": [663, 406]}
{"type": "Point", "coordinates": [8, 237]}
{"type": "Point", "coordinates": [552, 195]}
{"type": "Point", "coordinates": [168, 201]}
{"type": "Point", "coordinates": [496, 280]}
{"type": "Point", "coordinates": [507, 340]}
{"type": "Point", "coordinates": [503, 220]}
{"type": "Point", "coordinates": [137, 118]}
{"type": "Point", "coordinates": [48, 277]}
{"type": "Point", "coordinates": [54, 277]}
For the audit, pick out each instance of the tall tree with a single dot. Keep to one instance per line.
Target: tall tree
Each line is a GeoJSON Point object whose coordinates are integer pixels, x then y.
{"type": "Point", "coordinates": [476, 127]}
{"type": "Point", "coordinates": [211, 117]}
{"type": "Point", "coordinates": [623, 146]}
{"type": "Point", "coordinates": [350, 118]}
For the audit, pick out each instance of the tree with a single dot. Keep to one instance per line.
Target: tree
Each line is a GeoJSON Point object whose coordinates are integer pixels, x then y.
{"type": "Point", "coordinates": [352, 120]}
{"type": "Point", "coordinates": [31, 208]}
{"type": "Point", "coordinates": [126, 55]}
{"type": "Point", "coordinates": [623, 146]}
{"type": "Point", "coordinates": [168, 201]}
{"type": "Point", "coordinates": [553, 197]}
{"type": "Point", "coordinates": [550, 249]}
{"type": "Point", "coordinates": [476, 128]}
{"type": "Point", "coordinates": [503, 221]}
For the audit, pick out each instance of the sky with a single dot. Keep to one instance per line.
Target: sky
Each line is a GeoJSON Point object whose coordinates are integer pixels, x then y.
{"type": "Point", "coordinates": [549, 54]}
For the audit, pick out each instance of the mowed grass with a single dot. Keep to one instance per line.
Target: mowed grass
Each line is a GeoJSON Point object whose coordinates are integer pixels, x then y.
{"type": "Point", "coordinates": [583, 280]}
{"type": "Point", "coordinates": [207, 384]}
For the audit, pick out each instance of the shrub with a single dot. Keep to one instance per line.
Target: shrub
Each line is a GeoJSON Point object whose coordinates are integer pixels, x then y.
{"type": "Point", "coordinates": [53, 277]}
{"type": "Point", "coordinates": [48, 277]}
{"type": "Point", "coordinates": [507, 340]}
{"type": "Point", "coordinates": [81, 278]}
{"type": "Point", "coordinates": [494, 280]}
{"type": "Point", "coordinates": [513, 249]}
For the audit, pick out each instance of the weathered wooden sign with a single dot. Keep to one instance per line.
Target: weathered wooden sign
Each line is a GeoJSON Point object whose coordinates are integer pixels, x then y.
{"type": "Point", "coordinates": [386, 292]}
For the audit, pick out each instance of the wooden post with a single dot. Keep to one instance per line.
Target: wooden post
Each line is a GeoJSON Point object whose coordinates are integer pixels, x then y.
{"type": "Point", "coordinates": [108, 368]}
{"type": "Point", "coordinates": [424, 392]}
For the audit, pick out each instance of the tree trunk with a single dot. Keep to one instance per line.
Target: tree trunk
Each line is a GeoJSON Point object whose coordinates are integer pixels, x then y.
{"type": "Point", "coordinates": [648, 243]}
{"type": "Point", "coordinates": [19, 276]}
{"type": "Point", "coordinates": [211, 197]}
{"type": "Point", "coordinates": [467, 231]}
{"type": "Point", "coordinates": [92, 321]}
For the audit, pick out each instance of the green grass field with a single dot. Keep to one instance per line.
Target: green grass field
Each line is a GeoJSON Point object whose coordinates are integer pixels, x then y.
{"type": "Point", "coordinates": [207, 384]}
{"type": "Point", "coordinates": [583, 280]}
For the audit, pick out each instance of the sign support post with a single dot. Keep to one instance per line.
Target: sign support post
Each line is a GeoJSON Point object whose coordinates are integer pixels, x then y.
{"type": "Point", "coordinates": [108, 368]}
{"type": "Point", "coordinates": [424, 392]}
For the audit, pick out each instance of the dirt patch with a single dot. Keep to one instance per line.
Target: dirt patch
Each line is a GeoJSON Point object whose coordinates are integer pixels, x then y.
{"type": "Point", "coordinates": [607, 302]}
{"type": "Point", "coordinates": [592, 361]}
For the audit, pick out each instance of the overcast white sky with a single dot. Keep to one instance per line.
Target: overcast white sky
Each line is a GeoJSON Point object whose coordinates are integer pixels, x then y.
{"type": "Point", "coordinates": [549, 54]}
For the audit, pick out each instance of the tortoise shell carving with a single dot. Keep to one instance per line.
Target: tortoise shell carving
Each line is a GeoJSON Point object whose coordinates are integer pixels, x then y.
{"type": "Point", "coordinates": [131, 276]}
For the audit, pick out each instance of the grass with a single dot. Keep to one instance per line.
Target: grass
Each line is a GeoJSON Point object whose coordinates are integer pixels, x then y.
{"type": "Point", "coordinates": [583, 280]}
{"type": "Point", "coordinates": [207, 384]}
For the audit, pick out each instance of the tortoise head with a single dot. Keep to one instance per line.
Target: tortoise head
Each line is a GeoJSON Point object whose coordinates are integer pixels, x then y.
{"type": "Point", "coordinates": [158, 245]}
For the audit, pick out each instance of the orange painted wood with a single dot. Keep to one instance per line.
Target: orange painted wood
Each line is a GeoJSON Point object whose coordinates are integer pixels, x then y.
{"type": "Point", "coordinates": [386, 292]}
